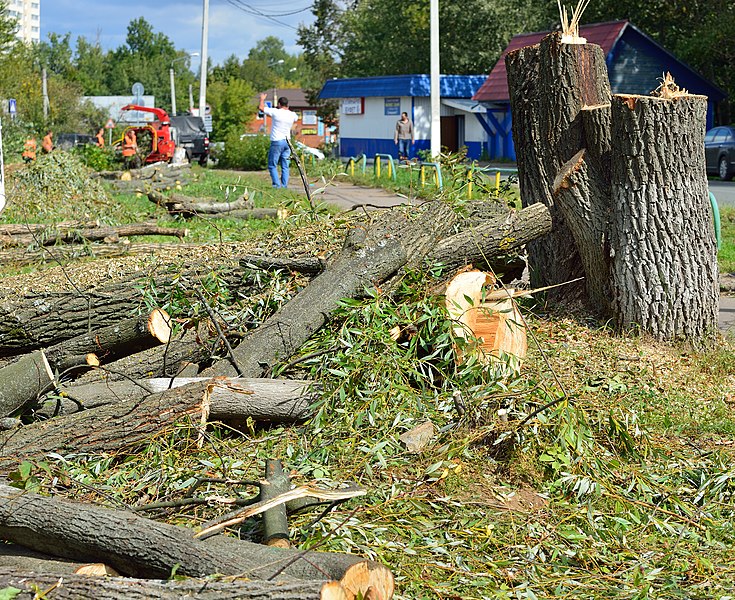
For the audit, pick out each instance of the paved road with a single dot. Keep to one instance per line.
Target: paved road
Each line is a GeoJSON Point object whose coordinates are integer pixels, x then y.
{"type": "Point", "coordinates": [726, 320]}
{"type": "Point", "coordinates": [724, 191]}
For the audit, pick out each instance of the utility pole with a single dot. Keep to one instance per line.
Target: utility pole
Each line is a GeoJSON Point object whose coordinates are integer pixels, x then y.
{"type": "Point", "coordinates": [44, 90]}
{"type": "Point", "coordinates": [173, 90]}
{"type": "Point", "coordinates": [203, 75]}
{"type": "Point", "coordinates": [436, 141]}
{"type": "Point", "coordinates": [2, 172]}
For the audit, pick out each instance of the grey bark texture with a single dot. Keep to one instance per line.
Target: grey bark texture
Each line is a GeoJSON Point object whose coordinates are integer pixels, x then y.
{"type": "Point", "coordinates": [23, 381]}
{"type": "Point", "coordinates": [232, 400]}
{"type": "Point", "coordinates": [664, 267]}
{"type": "Point", "coordinates": [81, 587]}
{"type": "Point", "coordinates": [40, 319]}
{"type": "Point", "coordinates": [549, 84]}
{"type": "Point", "coordinates": [275, 520]}
{"type": "Point", "coordinates": [125, 337]}
{"type": "Point", "coordinates": [370, 255]}
{"type": "Point", "coordinates": [140, 547]}
{"type": "Point", "coordinates": [103, 429]}
{"type": "Point", "coordinates": [165, 360]}
{"type": "Point", "coordinates": [502, 235]}
{"type": "Point", "coordinates": [113, 234]}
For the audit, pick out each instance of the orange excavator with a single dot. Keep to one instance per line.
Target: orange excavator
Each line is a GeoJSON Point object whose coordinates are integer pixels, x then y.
{"type": "Point", "coordinates": [162, 145]}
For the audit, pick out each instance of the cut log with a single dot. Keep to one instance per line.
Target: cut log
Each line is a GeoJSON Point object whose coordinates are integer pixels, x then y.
{"type": "Point", "coordinates": [81, 587]}
{"type": "Point", "coordinates": [310, 265]}
{"type": "Point", "coordinates": [40, 319]}
{"type": "Point", "coordinates": [230, 399]}
{"type": "Point", "coordinates": [23, 381]}
{"type": "Point", "coordinates": [481, 244]}
{"type": "Point", "coordinates": [168, 360]}
{"type": "Point", "coordinates": [11, 229]}
{"type": "Point", "coordinates": [106, 428]}
{"type": "Point", "coordinates": [664, 268]}
{"type": "Point", "coordinates": [549, 83]}
{"type": "Point", "coordinates": [253, 213]}
{"type": "Point", "coordinates": [488, 324]}
{"type": "Point", "coordinates": [370, 255]}
{"type": "Point", "coordinates": [126, 337]}
{"type": "Point", "coordinates": [177, 203]}
{"type": "Point", "coordinates": [275, 520]}
{"type": "Point", "coordinates": [140, 547]}
{"type": "Point", "coordinates": [70, 236]}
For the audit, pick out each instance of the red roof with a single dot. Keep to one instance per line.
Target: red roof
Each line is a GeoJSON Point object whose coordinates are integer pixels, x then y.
{"type": "Point", "coordinates": [495, 88]}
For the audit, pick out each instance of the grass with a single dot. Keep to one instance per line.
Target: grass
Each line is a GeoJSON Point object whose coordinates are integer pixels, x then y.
{"type": "Point", "coordinates": [612, 476]}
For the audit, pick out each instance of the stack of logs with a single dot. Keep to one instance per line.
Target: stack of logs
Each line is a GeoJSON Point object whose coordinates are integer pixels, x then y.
{"type": "Point", "coordinates": [148, 380]}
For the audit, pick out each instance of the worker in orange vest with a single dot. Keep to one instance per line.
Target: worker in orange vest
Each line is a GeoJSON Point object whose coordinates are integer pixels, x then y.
{"type": "Point", "coordinates": [130, 148]}
{"type": "Point", "coordinates": [101, 137]}
{"type": "Point", "coordinates": [29, 150]}
{"type": "Point", "coordinates": [48, 142]}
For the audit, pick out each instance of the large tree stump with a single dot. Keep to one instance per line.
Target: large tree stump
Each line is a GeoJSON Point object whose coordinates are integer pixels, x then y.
{"type": "Point", "coordinates": [664, 266]}
{"type": "Point", "coordinates": [549, 84]}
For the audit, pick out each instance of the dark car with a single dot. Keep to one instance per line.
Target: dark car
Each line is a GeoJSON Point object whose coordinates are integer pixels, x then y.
{"type": "Point", "coordinates": [67, 141]}
{"type": "Point", "coordinates": [189, 133]}
{"type": "Point", "coordinates": [719, 152]}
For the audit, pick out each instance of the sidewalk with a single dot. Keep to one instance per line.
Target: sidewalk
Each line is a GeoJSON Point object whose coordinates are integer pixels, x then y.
{"type": "Point", "coordinates": [346, 196]}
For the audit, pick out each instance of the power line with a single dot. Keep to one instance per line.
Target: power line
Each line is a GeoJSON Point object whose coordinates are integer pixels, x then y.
{"type": "Point", "coordinates": [251, 10]}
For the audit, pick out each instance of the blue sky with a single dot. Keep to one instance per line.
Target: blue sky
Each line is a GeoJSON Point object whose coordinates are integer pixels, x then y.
{"type": "Point", "coordinates": [233, 29]}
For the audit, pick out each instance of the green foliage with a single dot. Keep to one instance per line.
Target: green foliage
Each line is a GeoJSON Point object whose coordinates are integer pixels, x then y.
{"type": "Point", "coordinates": [249, 153]}
{"type": "Point", "coordinates": [232, 107]}
{"type": "Point", "coordinates": [96, 158]}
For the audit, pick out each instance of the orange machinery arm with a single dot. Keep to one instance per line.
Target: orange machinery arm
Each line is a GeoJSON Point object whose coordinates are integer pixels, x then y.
{"type": "Point", "coordinates": [161, 114]}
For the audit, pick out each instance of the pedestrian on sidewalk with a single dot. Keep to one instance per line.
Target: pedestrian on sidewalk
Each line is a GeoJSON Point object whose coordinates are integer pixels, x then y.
{"type": "Point", "coordinates": [403, 136]}
{"type": "Point", "coordinates": [282, 120]}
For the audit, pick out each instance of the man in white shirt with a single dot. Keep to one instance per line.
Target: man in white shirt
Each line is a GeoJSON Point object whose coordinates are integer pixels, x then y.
{"type": "Point", "coordinates": [282, 121]}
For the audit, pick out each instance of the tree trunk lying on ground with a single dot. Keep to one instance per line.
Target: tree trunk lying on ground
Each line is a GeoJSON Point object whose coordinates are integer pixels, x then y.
{"type": "Point", "coordinates": [11, 229]}
{"type": "Point", "coordinates": [106, 428]}
{"type": "Point", "coordinates": [139, 186]}
{"type": "Point", "coordinates": [107, 234]}
{"type": "Point", "coordinates": [83, 587]}
{"type": "Point", "coordinates": [369, 256]}
{"type": "Point", "coordinates": [121, 339]}
{"type": "Point", "coordinates": [146, 172]}
{"type": "Point", "coordinates": [167, 360]}
{"type": "Point", "coordinates": [241, 208]}
{"type": "Point", "coordinates": [230, 399]}
{"type": "Point", "coordinates": [40, 319]}
{"type": "Point", "coordinates": [23, 381]}
{"type": "Point", "coordinates": [140, 547]}
{"type": "Point", "coordinates": [275, 520]}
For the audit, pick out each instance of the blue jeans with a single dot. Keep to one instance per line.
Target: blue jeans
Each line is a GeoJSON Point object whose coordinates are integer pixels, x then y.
{"type": "Point", "coordinates": [279, 153]}
{"type": "Point", "coordinates": [404, 147]}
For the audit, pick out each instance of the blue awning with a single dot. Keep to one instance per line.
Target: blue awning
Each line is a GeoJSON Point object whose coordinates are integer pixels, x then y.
{"type": "Point", "coordinates": [451, 86]}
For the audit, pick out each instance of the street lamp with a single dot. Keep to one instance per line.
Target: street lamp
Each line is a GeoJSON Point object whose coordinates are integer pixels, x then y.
{"type": "Point", "coordinates": [280, 61]}
{"type": "Point", "coordinates": [173, 84]}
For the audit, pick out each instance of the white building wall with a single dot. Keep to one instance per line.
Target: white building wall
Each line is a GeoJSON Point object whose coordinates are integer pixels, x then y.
{"type": "Point", "coordinates": [28, 14]}
{"type": "Point", "coordinates": [373, 123]}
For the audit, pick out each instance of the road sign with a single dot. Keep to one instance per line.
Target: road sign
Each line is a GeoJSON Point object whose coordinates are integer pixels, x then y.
{"type": "Point", "coordinates": [12, 106]}
{"type": "Point", "coordinates": [138, 89]}
{"type": "Point", "coordinates": [208, 123]}
{"type": "Point", "coordinates": [110, 124]}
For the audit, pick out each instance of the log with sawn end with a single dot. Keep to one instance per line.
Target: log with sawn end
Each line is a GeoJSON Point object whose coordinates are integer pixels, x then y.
{"type": "Point", "coordinates": [233, 400]}
{"type": "Point", "coordinates": [96, 234]}
{"type": "Point", "coordinates": [140, 547]}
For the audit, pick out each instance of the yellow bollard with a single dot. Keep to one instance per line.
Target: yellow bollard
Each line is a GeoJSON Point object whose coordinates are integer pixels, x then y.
{"type": "Point", "coordinates": [469, 185]}
{"type": "Point", "coordinates": [497, 183]}
{"type": "Point", "coordinates": [352, 168]}
{"type": "Point", "coordinates": [423, 176]}
{"type": "Point", "coordinates": [390, 170]}
{"type": "Point", "coordinates": [377, 168]}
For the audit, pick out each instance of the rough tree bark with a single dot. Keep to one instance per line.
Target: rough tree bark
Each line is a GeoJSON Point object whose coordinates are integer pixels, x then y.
{"type": "Point", "coordinates": [275, 520]}
{"type": "Point", "coordinates": [82, 587]}
{"type": "Point", "coordinates": [111, 234]}
{"type": "Point", "coordinates": [231, 400]}
{"type": "Point", "coordinates": [167, 360]}
{"type": "Point", "coordinates": [664, 266]}
{"type": "Point", "coordinates": [140, 547]}
{"type": "Point", "coordinates": [493, 238]}
{"type": "Point", "coordinates": [106, 428]}
{"type": "Point", "coordinates": [23, 381]}
{"type": "Point", "coordinates": [40, 319]}
{"type": "Point", "coordinates": [549, 84]}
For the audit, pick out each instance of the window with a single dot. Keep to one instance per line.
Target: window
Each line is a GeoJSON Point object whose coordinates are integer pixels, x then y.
{"type": "Point", "coordinates": [710, 136]}
{"type": "Point", "coordinates": [34, 17]}
{"type": "Point", "coordinates": [722, 135]}
{"type": "Point", "coordinates": [34, 29]}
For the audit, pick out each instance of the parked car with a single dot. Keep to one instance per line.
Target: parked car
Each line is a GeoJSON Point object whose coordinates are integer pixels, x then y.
{"type": "Point", "coordinates": [189, 133]}
{"type": "Point", "coordinates": [719, 152]}
{"type": "Point", "coordinates": [67, 141]}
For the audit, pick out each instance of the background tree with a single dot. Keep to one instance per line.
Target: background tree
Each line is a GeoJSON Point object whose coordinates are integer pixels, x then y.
{"type": "Point", "coordinates": [233, 107]}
